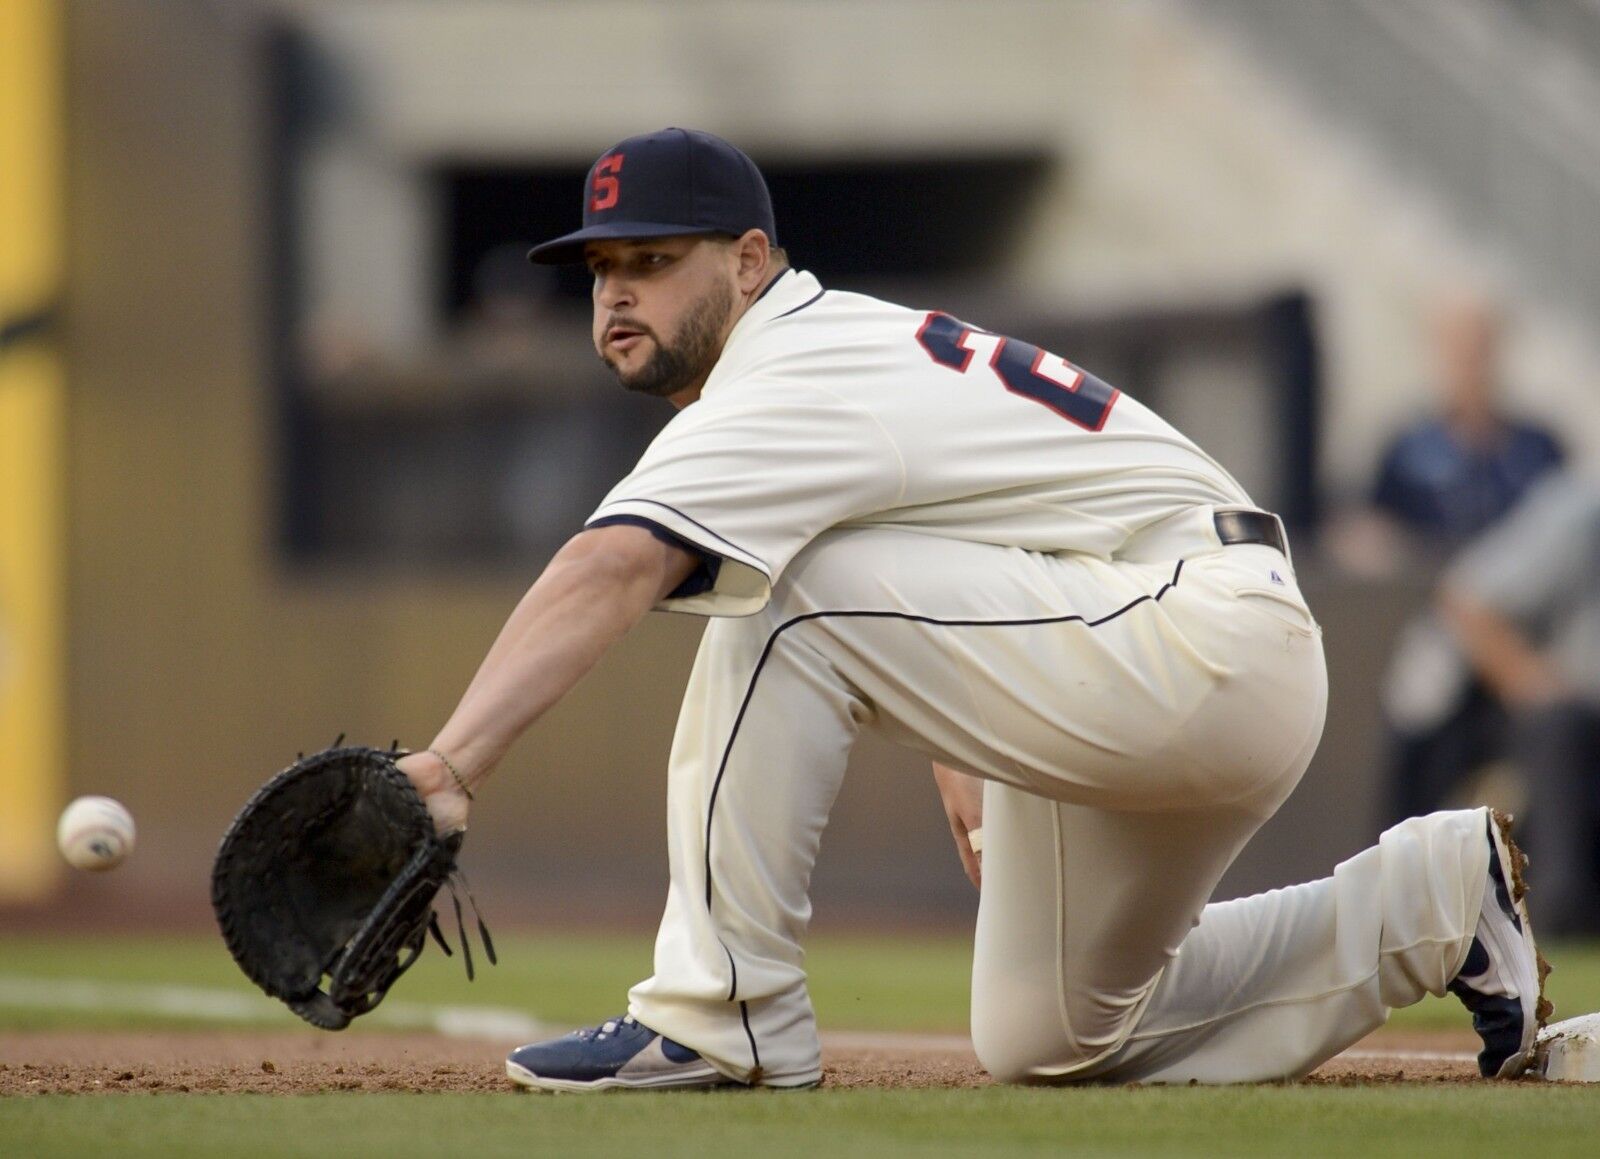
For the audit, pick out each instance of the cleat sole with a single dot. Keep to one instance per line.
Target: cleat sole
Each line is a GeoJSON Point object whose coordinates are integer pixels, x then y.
{"type": "Point", "coordinates": [1513, 862]}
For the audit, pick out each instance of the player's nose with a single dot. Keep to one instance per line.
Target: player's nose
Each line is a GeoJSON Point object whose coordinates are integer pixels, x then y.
{"type": "Point", "coordinates": [613, 292]}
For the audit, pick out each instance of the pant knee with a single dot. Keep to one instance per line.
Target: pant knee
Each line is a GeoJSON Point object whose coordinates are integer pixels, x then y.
{"type": "Point", "coordinates": [996, 1055]}
{"type": "Point", "coordinates": [1016, 1049]}
{"type": "Point", "coordinates": [1001, 1062]}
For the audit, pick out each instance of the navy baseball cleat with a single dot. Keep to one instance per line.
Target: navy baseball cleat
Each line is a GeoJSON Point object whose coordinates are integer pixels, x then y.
{"type": "Point", "coordinates": [620, 1054]}
{"type": "Point", "coordinates": [1502, 980]}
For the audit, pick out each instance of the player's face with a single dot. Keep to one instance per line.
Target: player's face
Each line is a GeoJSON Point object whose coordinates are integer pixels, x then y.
{"type": "Point", "coordinates": [662, 310]}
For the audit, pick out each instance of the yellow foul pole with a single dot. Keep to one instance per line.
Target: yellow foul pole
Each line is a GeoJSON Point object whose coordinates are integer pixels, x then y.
{"type": "Point", "coordinates": [31, 448]}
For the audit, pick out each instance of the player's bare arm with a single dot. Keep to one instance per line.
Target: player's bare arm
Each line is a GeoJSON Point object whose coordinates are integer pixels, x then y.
{"type": "Point", "coordinates": [595, 589]}
{"type": "Point", "coordinates": [1503, 656]}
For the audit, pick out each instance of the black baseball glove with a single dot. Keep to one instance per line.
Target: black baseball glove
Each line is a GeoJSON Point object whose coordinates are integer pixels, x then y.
{"type": "Point", "coordinates": [329, 873]}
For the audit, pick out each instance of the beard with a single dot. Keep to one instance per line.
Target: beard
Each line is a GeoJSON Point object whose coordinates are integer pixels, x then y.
{"type": "Point", "coordinates": [690, 357]}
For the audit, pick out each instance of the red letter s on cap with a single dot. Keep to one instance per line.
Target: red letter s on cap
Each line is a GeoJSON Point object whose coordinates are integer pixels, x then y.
{"type": "Point", "coordinates": [606, 186]}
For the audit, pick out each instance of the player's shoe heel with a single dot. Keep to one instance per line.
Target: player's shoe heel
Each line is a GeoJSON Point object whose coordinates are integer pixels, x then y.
{"type": "Point", "coordinates": [1502, 980]}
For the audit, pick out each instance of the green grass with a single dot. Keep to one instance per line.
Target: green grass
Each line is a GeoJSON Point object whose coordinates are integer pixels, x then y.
{"type": "Point", "coordinates": [903, 983]}
{"type": "Point", "coordinates": [1265, 1121]}
{"type": "Point", "coordinates": [858, 983]}
{"type": "Point", "coordinates": [886, 983]}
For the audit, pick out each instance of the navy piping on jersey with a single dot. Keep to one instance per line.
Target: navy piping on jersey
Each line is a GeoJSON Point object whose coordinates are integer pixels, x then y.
{"type": "Point", "coordinates": [768, 288]}
{"type": "Point", "coordinates": [749, 693]}
{"type": "Point", "coordinates": [701, 580]}
{"type": "Point", "coordinates": [690, 519]}
{"type": "Point", "coordinates": [802, 305]}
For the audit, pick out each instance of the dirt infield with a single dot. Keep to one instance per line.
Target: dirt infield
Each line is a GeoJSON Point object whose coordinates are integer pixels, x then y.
{"type": "Point", "coordinates": [306, 1062]}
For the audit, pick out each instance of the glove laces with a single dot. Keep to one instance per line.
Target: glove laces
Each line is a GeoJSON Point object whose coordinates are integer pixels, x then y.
{"type": "Point", "coordinates": [459, 877]}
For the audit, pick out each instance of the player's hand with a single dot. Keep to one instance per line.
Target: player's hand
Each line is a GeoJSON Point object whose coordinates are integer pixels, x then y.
{"type": "Point", "coordinates": [446, 802]}
{"type": "Point", "coordinates": [962, 795]}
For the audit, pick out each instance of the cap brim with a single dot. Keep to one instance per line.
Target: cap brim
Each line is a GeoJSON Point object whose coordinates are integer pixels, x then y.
{"type": "Point", "coordinates": [569, 247]}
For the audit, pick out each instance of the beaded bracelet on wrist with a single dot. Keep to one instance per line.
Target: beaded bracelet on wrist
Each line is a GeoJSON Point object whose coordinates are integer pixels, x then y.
{"type": "Point", "coordinates": [454, 772]}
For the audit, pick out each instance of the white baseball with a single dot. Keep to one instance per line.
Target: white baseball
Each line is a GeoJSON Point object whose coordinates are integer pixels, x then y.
{"type": "Point", "coordinates": [95, 833]}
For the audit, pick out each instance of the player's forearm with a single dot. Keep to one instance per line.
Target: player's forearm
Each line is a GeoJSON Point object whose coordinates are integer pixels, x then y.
{"type": "Point", "coordinates": [1501, 655]}
{"type": "Point", "coordinates": [558, 632]}
{"type": "Point", "coordinates": [598, 587]}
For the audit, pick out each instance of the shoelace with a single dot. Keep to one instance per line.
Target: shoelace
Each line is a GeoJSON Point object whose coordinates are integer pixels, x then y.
{"type": "Point", "coordinates": [607, 1028]}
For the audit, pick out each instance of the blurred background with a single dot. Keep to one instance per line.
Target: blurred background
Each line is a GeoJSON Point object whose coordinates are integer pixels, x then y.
{"type": "Point", "coordinates": [287, 425]}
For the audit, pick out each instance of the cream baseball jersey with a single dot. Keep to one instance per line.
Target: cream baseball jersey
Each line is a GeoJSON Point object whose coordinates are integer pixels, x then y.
{"type": "Point", "coordinates": [834, 409]}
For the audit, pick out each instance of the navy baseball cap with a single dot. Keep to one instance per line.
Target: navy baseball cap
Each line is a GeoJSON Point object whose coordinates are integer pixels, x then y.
{"type": "Point", "coordinates": [676, 181]}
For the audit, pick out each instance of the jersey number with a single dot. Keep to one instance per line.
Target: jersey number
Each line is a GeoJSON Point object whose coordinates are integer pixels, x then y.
{"type": "Point", "coordinates": [1026, 370]}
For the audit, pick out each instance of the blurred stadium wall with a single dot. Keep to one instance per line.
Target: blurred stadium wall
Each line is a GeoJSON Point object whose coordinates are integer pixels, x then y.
{"type": "Point", "coordinates": [31, 416]}
{"type": "Point", "coordinates": [1178, 177]}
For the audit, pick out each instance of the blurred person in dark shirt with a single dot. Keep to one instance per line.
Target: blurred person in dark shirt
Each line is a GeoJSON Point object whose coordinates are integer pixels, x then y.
{"type": "Point", "coordinates": [1451, 475]}
{"type": "Point", "coordinates": [1442, 482]}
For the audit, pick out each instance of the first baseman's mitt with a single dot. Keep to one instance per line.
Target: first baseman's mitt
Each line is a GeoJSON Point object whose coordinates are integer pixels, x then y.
{"type": "Point", "coordinates": [329, 873]}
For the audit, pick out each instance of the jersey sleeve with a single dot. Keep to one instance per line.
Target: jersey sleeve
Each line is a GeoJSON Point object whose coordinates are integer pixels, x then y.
{"type": "Point", "coordinates": [747, 479]}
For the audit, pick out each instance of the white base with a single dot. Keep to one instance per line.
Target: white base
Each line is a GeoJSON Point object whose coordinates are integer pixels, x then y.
{"type": "Point", "coordinates": [1569, 1051]}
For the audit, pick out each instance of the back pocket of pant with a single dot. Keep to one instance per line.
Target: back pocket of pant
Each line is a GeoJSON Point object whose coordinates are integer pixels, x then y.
{"type": "Point", "coordinates": [1282, 605]}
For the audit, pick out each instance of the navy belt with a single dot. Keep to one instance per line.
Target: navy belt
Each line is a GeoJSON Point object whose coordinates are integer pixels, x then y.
{"type": "Point", "coordinates": [1250, 527]}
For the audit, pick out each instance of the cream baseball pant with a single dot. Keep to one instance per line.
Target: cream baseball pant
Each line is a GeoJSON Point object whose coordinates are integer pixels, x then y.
{"type": "Point", "coordinates": [1136, 721]}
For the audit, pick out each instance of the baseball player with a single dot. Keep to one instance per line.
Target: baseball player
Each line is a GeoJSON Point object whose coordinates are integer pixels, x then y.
{"type": "Point", "coordinates": [898, 521]}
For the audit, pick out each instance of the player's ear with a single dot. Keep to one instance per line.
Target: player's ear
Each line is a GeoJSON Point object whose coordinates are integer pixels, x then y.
{"type": "Point", "coordinates": [754, 253]}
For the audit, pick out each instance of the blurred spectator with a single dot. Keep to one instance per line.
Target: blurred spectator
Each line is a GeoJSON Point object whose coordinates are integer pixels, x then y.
{"type": "Point", "coordinates": [1441, 482]}
{"type": "Point", "coordinates": [1524, 604]}
{"type": "Point", "coordinates": [1450, 476]}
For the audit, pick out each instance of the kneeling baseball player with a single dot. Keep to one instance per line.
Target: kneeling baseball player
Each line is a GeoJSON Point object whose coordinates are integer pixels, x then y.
{"type": "Point", "coordinates": [900, 522]}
